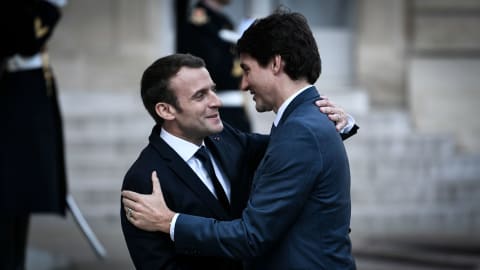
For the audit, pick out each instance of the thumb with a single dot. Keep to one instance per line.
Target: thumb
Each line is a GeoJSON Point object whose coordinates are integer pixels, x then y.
{"type": "Point", "coordinates": [155, 183]}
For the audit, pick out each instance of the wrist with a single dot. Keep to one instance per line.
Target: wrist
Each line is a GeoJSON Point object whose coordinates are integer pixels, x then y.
{"type": "Point", "coordinates": [172, 226]}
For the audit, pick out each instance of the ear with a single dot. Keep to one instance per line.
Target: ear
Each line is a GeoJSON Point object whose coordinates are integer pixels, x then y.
{"type": "Point", "coordinates": [165, 111]}
{"type": "Point", "coordinates": [277, 63]}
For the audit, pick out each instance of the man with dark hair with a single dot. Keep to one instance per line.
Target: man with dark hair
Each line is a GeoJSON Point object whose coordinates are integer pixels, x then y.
{"type": "Point", "coordinates": [179, 94]}
{"type": "Point", "coordinates": [298, 212]}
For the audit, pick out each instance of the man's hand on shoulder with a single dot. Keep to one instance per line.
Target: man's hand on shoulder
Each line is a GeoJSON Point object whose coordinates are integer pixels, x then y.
{"type": "Point", "coordinates": [343, 121]}
{"type": "Point", "coordinates": [148, 211]}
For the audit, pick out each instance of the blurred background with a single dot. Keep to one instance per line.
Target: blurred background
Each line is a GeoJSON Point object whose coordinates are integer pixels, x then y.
{"type": "Point", "coordinates": [407, 70]}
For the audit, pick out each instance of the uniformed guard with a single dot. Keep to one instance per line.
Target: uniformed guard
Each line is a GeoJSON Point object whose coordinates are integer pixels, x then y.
{"type": "Point", "coordinates": [32, 168]}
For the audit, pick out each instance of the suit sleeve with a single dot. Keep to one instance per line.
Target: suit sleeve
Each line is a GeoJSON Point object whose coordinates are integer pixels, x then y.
{"type": "Point", "coordinates": [148, 250]}
{"type": "Point", "coordinates": [280, 189]}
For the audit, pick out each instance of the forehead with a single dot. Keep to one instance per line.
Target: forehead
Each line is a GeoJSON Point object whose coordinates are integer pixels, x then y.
{"type": "Point", "coordinates": [191, 79]}
{"type": "Point", "coordinates": [247, 60]}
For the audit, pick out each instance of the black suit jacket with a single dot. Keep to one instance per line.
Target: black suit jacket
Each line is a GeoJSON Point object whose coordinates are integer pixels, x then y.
{"type": "Point", "coordinates": [237, 153]}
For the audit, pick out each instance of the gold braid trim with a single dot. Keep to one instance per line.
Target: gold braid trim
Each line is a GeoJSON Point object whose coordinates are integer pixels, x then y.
{"type": "Point", "coordinates": [47, 73]}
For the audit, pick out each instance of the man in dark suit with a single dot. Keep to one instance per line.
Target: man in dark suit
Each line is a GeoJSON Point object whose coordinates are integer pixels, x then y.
{"type": "Point", "coordinates": [298, 212]}
{"type": "Point", "coordinates": [178, 92]}
{"type": "Point", "coordinates": [32, 165]}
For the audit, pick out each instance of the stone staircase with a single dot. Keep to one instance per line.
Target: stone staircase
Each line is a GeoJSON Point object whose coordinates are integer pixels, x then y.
{"type": "Point", "coordinates": [104, 134]}
{"type": "Point", "coordinates": [406, 183]}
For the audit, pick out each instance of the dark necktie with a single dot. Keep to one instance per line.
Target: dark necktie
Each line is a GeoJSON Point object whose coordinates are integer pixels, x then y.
{"type": "Point", "coordinates": [203, 156]}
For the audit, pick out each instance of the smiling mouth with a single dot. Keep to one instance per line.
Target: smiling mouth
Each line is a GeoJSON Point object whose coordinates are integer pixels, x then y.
{"type": "Point", "coordinates": [213, 116]}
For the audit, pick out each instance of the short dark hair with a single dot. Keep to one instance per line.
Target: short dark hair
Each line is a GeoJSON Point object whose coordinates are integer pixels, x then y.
{"type": "Point", "coordinates": [155, 85]}
{"type": "Point", "coordinates": [286, 34]}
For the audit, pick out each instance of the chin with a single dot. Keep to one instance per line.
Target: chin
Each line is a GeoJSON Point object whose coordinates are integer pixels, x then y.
{"type": "Point", "coordinates": [218, 128]}
{"type": "Point", "coordinates": [261, 109]}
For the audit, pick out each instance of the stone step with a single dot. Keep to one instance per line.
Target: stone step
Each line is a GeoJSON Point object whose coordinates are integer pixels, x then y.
{"type": "Point", "coordinates": [456, 178]}
{"type": "Point", "coordinates": [459, 189]}
{"type": "Point", "coordinates": [397, 146]}
{"type": "Point", "coordinates": [376, 263]}
{"type": "Point", "coordinates": [459, 167]}
{"type": "Point", "coordinates": [446, 219]}
{"type": "Point", "coordinates": [412, 257]}
{"type": "Point", "coordinates": [100, 102]}
{"type": "Point", "coordinates": [103, 156]}
{"type": "Point", "coordinates": [103, 128]}
{"type": "Point", "coordinates": [378, 122]}
{"type": "Point", "coordinates": [99, 203]}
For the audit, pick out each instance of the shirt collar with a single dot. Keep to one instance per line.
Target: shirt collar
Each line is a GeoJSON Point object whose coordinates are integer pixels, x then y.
{"type": "Point", "coordinates": [285, 104]}
{"type": "Point", "coordinates": [184, 149]}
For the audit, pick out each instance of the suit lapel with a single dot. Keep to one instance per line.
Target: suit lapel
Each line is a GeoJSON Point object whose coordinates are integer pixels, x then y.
{"type": "Point", "coordinates": [186, 174]}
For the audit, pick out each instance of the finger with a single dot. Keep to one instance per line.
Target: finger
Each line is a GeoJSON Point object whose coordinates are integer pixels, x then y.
{"type": "Point", "coordinates": [339, 116]}
{"type": "Point", "coordinates": [340, 125]}
{"type": "Point", "coordinates": [129, 204]}
{"type": "Point", "coordinates": [335, 117]}
{"type": "Point", "coordinates": [324, 105]}
{"type": "Point", "coordinates": [155, 183]}
{"type": "Point", "coordinates": [131, 218]}
{"type": "Point", "coordinates": [131, 195]}
{"type": "Point", "coordinates": [321, 102]}
{"type": "Point", "coordinates": [324, 97]}
{"type": "Point", "coordinates": [332, 111]}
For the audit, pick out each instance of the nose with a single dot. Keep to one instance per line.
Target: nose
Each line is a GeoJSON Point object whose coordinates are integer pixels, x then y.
{"type": "Point", "coordinates": [244, 84]}
{"type": "Point", "coordinates": [215, 101]}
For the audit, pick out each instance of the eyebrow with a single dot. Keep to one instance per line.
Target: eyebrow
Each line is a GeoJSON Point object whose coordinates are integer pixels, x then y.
{"type": "Point", "coordinates": [213, 86]}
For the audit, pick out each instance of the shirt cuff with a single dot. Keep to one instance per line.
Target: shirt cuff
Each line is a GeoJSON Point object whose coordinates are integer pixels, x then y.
{"type": "Point", "coordinates": [172, 226]}
{"type": "Point", "coordinates": [349, 126]}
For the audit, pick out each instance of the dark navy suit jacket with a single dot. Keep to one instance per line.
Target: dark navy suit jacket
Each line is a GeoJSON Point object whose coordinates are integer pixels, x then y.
{"type": "Point", "coordinates": [298, 213]}
{"type": "Point", "coordinates": [237, 153]}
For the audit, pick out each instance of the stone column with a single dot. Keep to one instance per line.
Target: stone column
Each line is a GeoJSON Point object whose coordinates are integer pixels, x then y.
{"type": "Point", "coordinates": [380, 51]}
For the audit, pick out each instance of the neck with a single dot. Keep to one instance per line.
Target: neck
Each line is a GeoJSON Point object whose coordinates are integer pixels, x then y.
{"type": "Point", "coordinates": [177, 132]}
{"type": "Point", "coordinates": [287, 89]}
